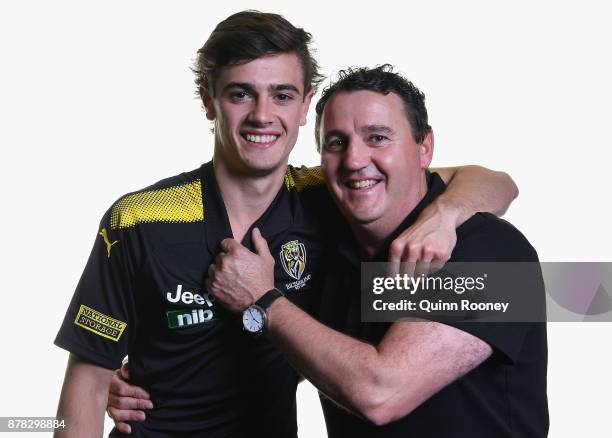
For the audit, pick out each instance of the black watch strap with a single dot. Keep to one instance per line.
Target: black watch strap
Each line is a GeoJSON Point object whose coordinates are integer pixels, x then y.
{"type": "Point", "coordinates": [268, 298]}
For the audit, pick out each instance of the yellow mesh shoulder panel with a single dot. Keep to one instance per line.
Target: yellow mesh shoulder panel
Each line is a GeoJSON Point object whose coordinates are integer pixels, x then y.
{"type": "Point", "coordinates": [174, 204]}
{"type": "Point", "coordinates": [302, 177]}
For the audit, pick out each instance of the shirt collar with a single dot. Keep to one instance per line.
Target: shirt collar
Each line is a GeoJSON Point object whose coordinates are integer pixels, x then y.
{"type": "Point", "coordinates": [276, 219]}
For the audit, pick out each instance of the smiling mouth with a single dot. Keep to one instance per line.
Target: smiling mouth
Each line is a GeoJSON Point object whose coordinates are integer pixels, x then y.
{"type": "Point", "coordinates": [260, 139]}
{"type": "Point", "coordinates": [361, 184]}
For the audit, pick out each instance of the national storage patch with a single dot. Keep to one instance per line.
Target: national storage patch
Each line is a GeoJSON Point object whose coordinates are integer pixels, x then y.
{"type": "Point", "coordinates": [99, 323]}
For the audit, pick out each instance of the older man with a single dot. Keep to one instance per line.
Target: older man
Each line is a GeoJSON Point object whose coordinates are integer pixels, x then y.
{"type": "Point", "coordinates": [417, 378]}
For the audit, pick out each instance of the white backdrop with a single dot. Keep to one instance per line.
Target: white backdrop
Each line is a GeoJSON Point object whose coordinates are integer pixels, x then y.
{"type": "Point", "coordinates": [96, 100]}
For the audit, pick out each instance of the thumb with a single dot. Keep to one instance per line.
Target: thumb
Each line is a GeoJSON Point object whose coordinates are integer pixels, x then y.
{"type": "Point", "coordinates": [125, 370]}
{"type": "Point", "coordinates": [261, 246]}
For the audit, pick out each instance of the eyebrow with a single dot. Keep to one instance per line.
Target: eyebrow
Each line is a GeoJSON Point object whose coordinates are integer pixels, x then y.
{"type": "Point", "coordinates": [247, 86]}
{"type": "Point", "coordinates": [285, 87]}
{"type": "Point", "coordinates": [243, 85]}
{"type": "Point", "coordinates": [379, 129]}
{"type": "Point", "coordinates": [333, 133]}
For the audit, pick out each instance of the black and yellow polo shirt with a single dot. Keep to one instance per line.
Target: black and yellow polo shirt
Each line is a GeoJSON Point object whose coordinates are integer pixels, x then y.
{"type": "Point", "coordinates": [142, 293]}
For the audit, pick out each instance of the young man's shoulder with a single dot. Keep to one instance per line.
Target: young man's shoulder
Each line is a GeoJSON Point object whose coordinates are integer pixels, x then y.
{"type": "Point", "coordinates": [304, 178]}
{"type": "Point", "coordinates": [485, 237]}
{"type": "Point", "coordinates": [307, 184]}
{"type": "Point", "coordinates": [174, 199]}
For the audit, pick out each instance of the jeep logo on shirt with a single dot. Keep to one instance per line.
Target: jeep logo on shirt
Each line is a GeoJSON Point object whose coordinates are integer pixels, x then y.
{"type": "Point", "coordinates": [189, 317]}
{"type": "Point", "coordinates": [187, 297]}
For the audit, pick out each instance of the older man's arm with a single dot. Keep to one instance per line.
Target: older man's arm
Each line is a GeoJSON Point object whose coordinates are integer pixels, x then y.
{"type": "Point", "coordinates": [430, 240]}
{"type": "Point", "coordinates": [83, 399]}
{"type": "Point", "coordinates": [381, 382]}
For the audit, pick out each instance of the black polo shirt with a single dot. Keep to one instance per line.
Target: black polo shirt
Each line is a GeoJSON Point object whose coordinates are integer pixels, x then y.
{"type": "Point", "coordinates": [505, 396]}
{"type": "Point", "coordinates": [143, 293]}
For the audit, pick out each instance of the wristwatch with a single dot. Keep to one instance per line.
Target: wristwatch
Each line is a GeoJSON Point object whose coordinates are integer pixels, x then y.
{"type": "Point", "coordinates": [254, 318]}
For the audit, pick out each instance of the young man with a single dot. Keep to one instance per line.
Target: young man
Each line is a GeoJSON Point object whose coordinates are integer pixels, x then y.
{"type": "Point", "coordinates": [419, 378]}
{"type": "Point", "coordinates": [143, 289]}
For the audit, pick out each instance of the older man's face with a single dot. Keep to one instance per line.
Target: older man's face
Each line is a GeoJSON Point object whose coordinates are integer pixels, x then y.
{"type": "Point", "coordinates": [371, 162]}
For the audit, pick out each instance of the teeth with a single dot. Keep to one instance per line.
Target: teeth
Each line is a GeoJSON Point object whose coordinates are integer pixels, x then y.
{"type": "Point", "coordinates": [261, 138]}
{"type": "Point", "coordinates": [361, 184]}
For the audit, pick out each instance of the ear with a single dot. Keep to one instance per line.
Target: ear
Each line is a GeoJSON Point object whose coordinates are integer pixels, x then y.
{"type": "Point", "coordinates": [305, 106]}
{"type": "Point", "coordinates": [208, 103]}
{"type": "Point", "coordinates": [426, 149]}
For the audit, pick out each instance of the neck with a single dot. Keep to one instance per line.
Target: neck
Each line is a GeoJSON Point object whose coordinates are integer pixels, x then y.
{"type": "Point", "coordinates": [372, 236]}
{"type": "Point", "coordinates": [246, 197]}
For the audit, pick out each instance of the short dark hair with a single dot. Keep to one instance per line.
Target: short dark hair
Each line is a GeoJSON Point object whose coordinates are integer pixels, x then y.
{"type": "Point", "coordinates": [248, 35]}
{"type": "Point", "coordinates": [382, 80]}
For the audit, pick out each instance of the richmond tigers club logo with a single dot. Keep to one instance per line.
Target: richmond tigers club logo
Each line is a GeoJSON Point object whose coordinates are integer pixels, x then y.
{"type": "Point", "coordinates": [293, 258]}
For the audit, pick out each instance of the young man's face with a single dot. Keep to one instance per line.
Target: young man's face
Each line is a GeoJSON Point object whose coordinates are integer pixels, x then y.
{"type": "Point", "coordinates": [258, 108]}
{"type": "Point", "coordinates": [371, 162]}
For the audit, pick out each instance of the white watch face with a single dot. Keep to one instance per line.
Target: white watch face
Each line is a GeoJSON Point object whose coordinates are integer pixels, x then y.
{"type": "Point", "coordinates": [254, 319]}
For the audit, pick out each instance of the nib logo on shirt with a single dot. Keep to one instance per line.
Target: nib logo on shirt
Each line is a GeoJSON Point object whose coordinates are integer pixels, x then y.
{"type": "Point", "coordinates": [189, 317]}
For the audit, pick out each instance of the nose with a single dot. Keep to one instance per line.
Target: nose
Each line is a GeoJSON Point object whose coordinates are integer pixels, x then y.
{"type": "Point", "coordinates": [261, 113]}
{"type": "Point", "coordinates": [356, 155]}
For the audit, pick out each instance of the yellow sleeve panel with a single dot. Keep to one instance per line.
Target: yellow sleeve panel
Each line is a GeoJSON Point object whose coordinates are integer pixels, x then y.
{"type": "Point", "coordinates": [182, 203]}
{"type": "Point", "coordinates": [300, 178]}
